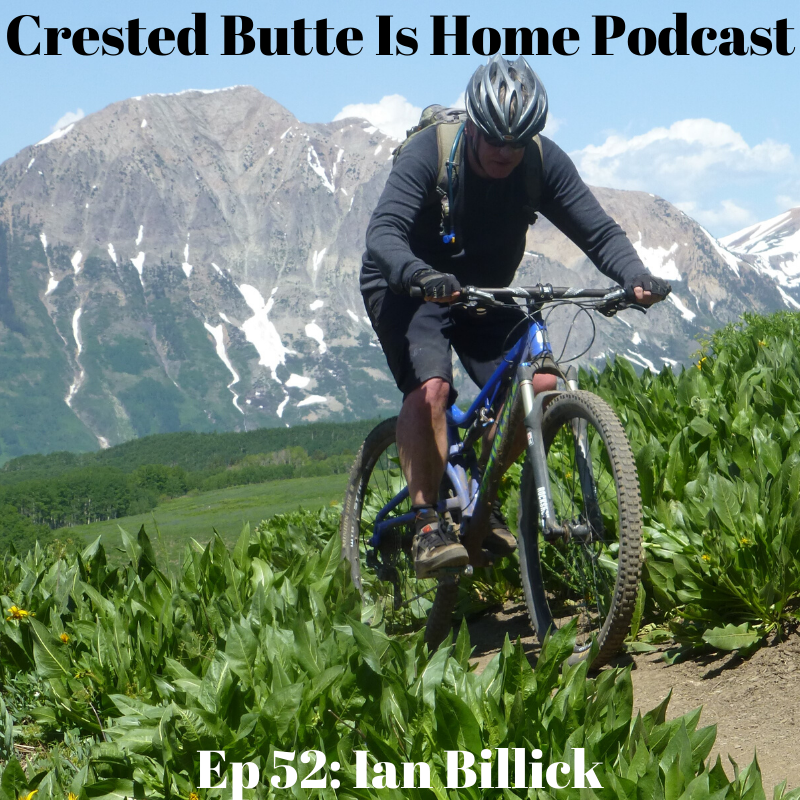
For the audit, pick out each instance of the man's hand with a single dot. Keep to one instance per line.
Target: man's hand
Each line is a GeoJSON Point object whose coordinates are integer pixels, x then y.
{"type": "Point", "coordinates": [646, 289]}
{"type": "Point", "coordinates": [438, 287]}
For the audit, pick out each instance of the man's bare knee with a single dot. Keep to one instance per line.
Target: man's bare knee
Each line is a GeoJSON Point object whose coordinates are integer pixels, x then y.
{"type": "Point", "coordinates": [543, 382]}
{"type": "Point", "coordinates": [432, 395]}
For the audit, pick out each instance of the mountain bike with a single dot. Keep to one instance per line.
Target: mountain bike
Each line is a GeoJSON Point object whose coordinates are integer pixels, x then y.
{"type": "Point", "coordinates": [579, 523]}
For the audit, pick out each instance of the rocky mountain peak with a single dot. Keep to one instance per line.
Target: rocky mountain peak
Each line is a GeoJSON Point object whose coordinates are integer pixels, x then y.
{"type": "Point", "coordinates": [190, 261]}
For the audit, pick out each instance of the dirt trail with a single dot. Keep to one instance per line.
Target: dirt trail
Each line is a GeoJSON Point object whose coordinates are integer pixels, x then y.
{"type": "Point", "coordinates": [755, 703]}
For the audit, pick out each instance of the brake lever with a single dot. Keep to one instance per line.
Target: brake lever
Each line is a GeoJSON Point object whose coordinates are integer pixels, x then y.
{"type": "Point", "coordinates": [616, 301]}
{"type": "Point", "coordinates": [477, 294]}
{"type": "Point", "coordinates": [478, 298]}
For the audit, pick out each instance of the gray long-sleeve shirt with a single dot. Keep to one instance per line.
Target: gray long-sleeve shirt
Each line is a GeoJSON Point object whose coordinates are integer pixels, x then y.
{"type": "Point", "coordinates": [403, 233]}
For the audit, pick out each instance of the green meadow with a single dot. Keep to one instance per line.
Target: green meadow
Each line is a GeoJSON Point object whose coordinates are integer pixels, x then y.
{"type": "Point", "coordinates": [173, 523]}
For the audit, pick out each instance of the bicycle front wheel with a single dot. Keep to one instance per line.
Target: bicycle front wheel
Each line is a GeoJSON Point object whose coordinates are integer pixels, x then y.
{"type": "Point", "coordinates": [591, 571]}
{"type": "Point", "coordinates": [384, 574]}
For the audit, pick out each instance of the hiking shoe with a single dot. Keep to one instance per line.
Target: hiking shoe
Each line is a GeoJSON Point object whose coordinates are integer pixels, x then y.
{"type": "Point", "coordinates": [435, 546]}
{"type": "Point", "coordinates": [500, 541]}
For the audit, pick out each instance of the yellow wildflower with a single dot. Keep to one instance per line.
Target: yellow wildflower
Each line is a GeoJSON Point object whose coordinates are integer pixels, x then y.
{"type": "Point", "coordinates": [72, 796]}
{"type": "Point", "coordinates": [64, 637]}
{"type": "Point", "coordinates": [18, 614]}
{"type": "Point", "coordinates": [194, 796]}
{"type": "Point", "coordinates": [700, 362]}
{"type": "Point", "coordinates": [761, 344]}
{"type": "Point", "coordinates": [744, 541]}
{"type": "Point", "coordinates": [706, 557]}
{"type": "Point", "coordinates": [28, 796]}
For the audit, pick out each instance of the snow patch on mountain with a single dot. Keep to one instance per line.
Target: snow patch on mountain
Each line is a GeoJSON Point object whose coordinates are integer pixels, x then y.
{"type": "Point", "coordinates": [313, 331]}
{"type": "Point", "coordinates": [313, 162]}
{"type": "Point", "coordinates": [138, 263]}
{"type": "Point", "coordinates": [658, 261]}
{"type": "Point", "coordinates": [679, 304]}
{"type": "Point", "coordinates": [316, 259]}
{"type": "Point", "coordinates": [76, 331]}
{"type": "Point", "coordinates": [217, 332]}
{"type": "Point", "coordinates": [788, 299]}
{"type": "Point", "coordinates": [773, 247]}
{"type": "Point", "coordinates": [187, 267]}
{"type": "Point", "coordinates": [728, 257]}
{"type": "Point", "coordinates": [311, 400]}
{"type": "Point", "coordinates": [112, 253]}
{"type": "Point", "coordinates": [261, 332]}
{"type": "Point", "coordinates": [76, 261]}
{"type": "Point", "coordinates": [640, 360]}
{"type": "Point", "coordinates": [56, 134]}
{"type": "Point", "coordinates": [299, 381]}
{"type": "Point", "coordinates": [763, 237]}
{"type": "Point", "coordinates": [283, 405]}
{"type": "Point", "coordinates": [73, 389]}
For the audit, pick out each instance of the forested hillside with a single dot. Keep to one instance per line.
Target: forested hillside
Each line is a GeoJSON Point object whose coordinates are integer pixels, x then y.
{"type": "Point", "coordinates": [40, 493]}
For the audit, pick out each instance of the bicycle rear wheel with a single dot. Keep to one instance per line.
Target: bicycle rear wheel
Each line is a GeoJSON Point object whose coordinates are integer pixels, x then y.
{"type": "Point", "coordinates": [384, 575]}
{"type": "Point", "coordinates": [592, 573]}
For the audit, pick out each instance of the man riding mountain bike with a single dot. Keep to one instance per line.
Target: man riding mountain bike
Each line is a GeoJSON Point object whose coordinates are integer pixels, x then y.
{"type": "Point", "coordinates": [453, 214]}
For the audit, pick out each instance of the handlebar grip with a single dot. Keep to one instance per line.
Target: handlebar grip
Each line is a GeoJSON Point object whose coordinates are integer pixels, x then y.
{"type": "Point", "coordinates": [416, 291]}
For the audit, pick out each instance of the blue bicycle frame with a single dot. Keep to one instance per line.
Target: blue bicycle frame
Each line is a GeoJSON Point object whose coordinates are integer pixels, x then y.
{"type": "Point", "coordinates": [462, 468]}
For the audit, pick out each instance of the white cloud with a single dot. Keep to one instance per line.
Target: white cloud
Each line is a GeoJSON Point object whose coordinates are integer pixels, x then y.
{"type": "Point", "coordinates": [68, 118]}
{"type": "Point", "coordinates": [392, 114]}
{"type": "Point", "coordinates": [553, 125]}
{"type": "Point", "coordinates": [785, 201]}
{"type": "Point", "coordinates": [727, 215]}
{"type": "Point", "coordinates": [678, 160]}
{"type": "Point", "coordinates": [705, 167]}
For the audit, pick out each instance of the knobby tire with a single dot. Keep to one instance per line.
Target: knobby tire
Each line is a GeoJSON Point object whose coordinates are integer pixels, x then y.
{"type": "Point", "coordinates": [371, 471]}
{"type": "Point", "coordinates": [582, 584]}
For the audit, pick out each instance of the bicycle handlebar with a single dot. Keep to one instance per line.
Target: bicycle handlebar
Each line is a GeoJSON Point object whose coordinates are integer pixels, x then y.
{"type": "Point", "coordinates": [614, 297]}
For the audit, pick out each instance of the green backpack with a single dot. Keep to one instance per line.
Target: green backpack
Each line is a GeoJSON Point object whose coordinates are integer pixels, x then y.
{"type": "Point", "coordinates": [450, 124]}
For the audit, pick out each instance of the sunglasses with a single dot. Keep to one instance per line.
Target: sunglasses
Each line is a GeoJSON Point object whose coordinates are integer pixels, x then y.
{"type": "Point", "coordinates": [498, 143]}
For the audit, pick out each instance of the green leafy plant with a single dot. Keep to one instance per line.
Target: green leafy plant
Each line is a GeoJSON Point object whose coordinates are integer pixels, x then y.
{"type": "Point", "coordinates": [718, 454]}
{"type": "Point", "coordinates": [260, 648]}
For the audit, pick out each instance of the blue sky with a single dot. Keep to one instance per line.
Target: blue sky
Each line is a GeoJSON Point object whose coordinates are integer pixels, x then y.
{"type": "Point", "coordinates": [718, 136]}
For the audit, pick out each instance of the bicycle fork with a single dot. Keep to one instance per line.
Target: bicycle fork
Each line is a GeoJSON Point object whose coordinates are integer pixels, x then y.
{"type": "Point", "coordinates": [533, 408]}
